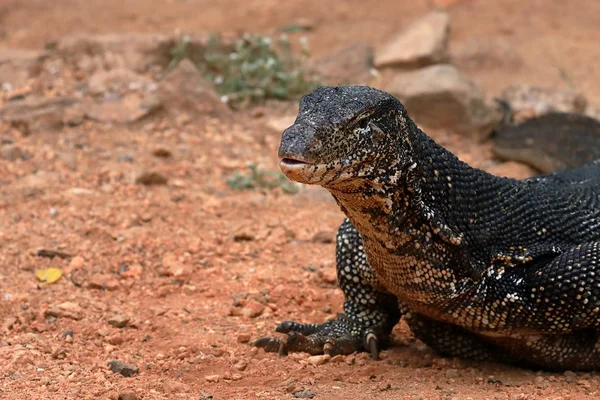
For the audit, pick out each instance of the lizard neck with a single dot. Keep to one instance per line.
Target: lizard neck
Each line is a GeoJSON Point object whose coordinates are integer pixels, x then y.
{"type": "Point", "coordinates": [413, 207]}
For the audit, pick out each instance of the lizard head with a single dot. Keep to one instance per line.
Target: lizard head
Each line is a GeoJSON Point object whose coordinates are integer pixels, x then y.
{"type": "Point", "coordinates": [340, 132]}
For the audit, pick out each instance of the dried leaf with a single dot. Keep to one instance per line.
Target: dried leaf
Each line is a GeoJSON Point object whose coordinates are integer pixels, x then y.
{"type": "Point", "coordinates": [49, 275]}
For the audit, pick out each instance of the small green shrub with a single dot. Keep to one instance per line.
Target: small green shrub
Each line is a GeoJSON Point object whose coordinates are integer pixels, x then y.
{"type": "Point", "coordinates": [261, 179]}
{"type": "Point", "coordinates": [252, 69]}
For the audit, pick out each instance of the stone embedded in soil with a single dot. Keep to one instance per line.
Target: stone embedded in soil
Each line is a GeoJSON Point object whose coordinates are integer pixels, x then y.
{"type": "Point", "coordinates": [103, 282]}
{"type": "Point", "coordinates": [241, 365]}
{"type": "Point", "coordinates": [37, 114]}
{"type": "Point", "coordinates": [528, 101]}
{"type": "Point", "coordinates": [304, 394]}
{"type": "Point", "coordinates": [243, 236]}
{"type": "Point", "coordinates": [150, 178]}
{"type": "Point", "coordinates": [440, 97]}
{"type": "Point", "coordinates": [119, 367]}
{"type": "Point", "coordinates": [252, 309]}
{"type": "Point", "coordinates": [131, 271]}
{"type": "Point", "coordinates": [424, 42]}
{"type": "Point", "coordinates": [128, 395]}
{"type": "Point", "coordinates": [319, 360]}
{"type": "Point", "coordinates": [65, 310]}
{"type": "Point", "coordinates": [212, 378]}
{"type": "Point", "coordinates": [118, 321]}
{"type": "Point", "coordinates": [185, 89]}
{"type": "Point", "coordinates": [243, 338]}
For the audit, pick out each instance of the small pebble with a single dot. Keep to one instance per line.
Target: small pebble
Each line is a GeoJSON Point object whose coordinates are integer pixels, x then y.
{"type": "Point", "coordinates": [128, 395]}
{"type": "Point", "coordinates": [319, 360]}
{"type": "Point", "coordinates": [119, 367]}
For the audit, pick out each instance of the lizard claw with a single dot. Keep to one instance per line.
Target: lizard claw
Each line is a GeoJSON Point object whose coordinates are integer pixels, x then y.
{"type": "Point", "coordinates": [372, 344]}
{"type": "Point", "coordinates": [332, 338]}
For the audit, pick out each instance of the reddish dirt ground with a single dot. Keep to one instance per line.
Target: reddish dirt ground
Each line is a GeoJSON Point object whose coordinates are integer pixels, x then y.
{"type": "Point", "coordinates": [182, 260]}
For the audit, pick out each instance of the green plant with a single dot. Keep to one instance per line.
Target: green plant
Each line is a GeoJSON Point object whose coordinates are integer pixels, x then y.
{"type": "Point", "coordinates": [257, 68]}
{"type": "Point", "coordinates": [179, 51]}
{"type": "Point", "coordinates": [262, 179]}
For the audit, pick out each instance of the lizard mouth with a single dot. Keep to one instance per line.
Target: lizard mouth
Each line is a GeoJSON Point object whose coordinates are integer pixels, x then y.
{"type": "Point", "coordinates": [292, 163]}
{"type": "Point", "coordinates": [299, 170]}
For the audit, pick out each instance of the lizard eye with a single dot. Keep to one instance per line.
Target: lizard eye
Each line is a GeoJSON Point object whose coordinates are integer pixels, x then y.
{"type": "Point", "coordinates": [377, 134]}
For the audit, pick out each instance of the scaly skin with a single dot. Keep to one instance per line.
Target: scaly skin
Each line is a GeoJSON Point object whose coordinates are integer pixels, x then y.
{"type": "Point", "coordinates": [479, 266]}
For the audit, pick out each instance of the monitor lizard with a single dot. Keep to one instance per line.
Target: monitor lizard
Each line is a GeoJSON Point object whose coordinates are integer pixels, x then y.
{"type": "Point", "coordinates": [479, 266]}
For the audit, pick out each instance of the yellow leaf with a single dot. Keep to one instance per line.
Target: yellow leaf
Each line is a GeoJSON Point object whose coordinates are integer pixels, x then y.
{"type": "Point", "coordinates": [49, 275]}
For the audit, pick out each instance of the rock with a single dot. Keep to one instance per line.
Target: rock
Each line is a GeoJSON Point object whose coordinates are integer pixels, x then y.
{"type": "Point", "coordinates": [65, 310]}
{"type": "Point", "coordinates": [103, 282]}
{"type": "Point", "coordinates": [185, 90]}
{"type": "Point", "coordinates": [486, 53]}
{"type": "Point", "coordinates": [252, 309]}
{"type": "Point", "coordinates": [328, 276]}
{"type": "Point", "coordinates": [119, 367]}
{"type": "Point", "coordinates": [117, 80]}
{"type": "Point", "coordinates": [18, 65]}
{"type": "Point", "coordinates": [11, 152]}
{"type": "Point", "coordinates": [135, 51]}
{"type": "Point", "coordinates": [243, 235]}
{"type": "Point", "coordinates": [150, 178]}
{"type": "Point", "coordinates": [528, 101]}
{"type": "Point", "coordinates": [319, 360]}
{"type": "Point", "coordinates": [123, 110]}
{"type": "Point", "coordinates": [128, 395]}
{"type": "Point", "coordinates": [243, 338]}
{"type": "Point", "coordinates": [423, 43]}
{"type": "Point", "coordinates": [118, 321]}
{"type": "Point", "coordinates": [34, 114]}
{"type": "Point", "coordinates": [212, 378]}
{"type": "Point", "coordinates": [162, 152]}
{"type": "Point", "coordinates": [439, 97]}
{"type": "Point", "coordinates": [174, 266]}
{"type": "Point", "coordinates": [241, 365]}
{"type": "Point", "coordinates": [131, 271]}
{"type": "Point", "coordinates": [325, 237]}
{"type": "Point", "coordinates": [348, 65]}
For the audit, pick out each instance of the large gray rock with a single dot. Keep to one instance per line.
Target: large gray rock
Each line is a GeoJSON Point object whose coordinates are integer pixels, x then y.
{"type": "Point", "coordinates": [425, 42]}
{"type": "Point", "coordinates": [439, 96]}
{"type": "Point", "coordinates": [528, 101]}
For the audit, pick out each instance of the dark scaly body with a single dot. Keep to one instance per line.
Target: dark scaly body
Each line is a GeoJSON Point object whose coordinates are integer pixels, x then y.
{"type": "Point", "coordinates": [479, 266]}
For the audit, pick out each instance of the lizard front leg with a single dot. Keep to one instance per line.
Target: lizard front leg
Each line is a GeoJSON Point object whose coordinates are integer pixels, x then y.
{"type": "Point", "coordinates": [369, 313]}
